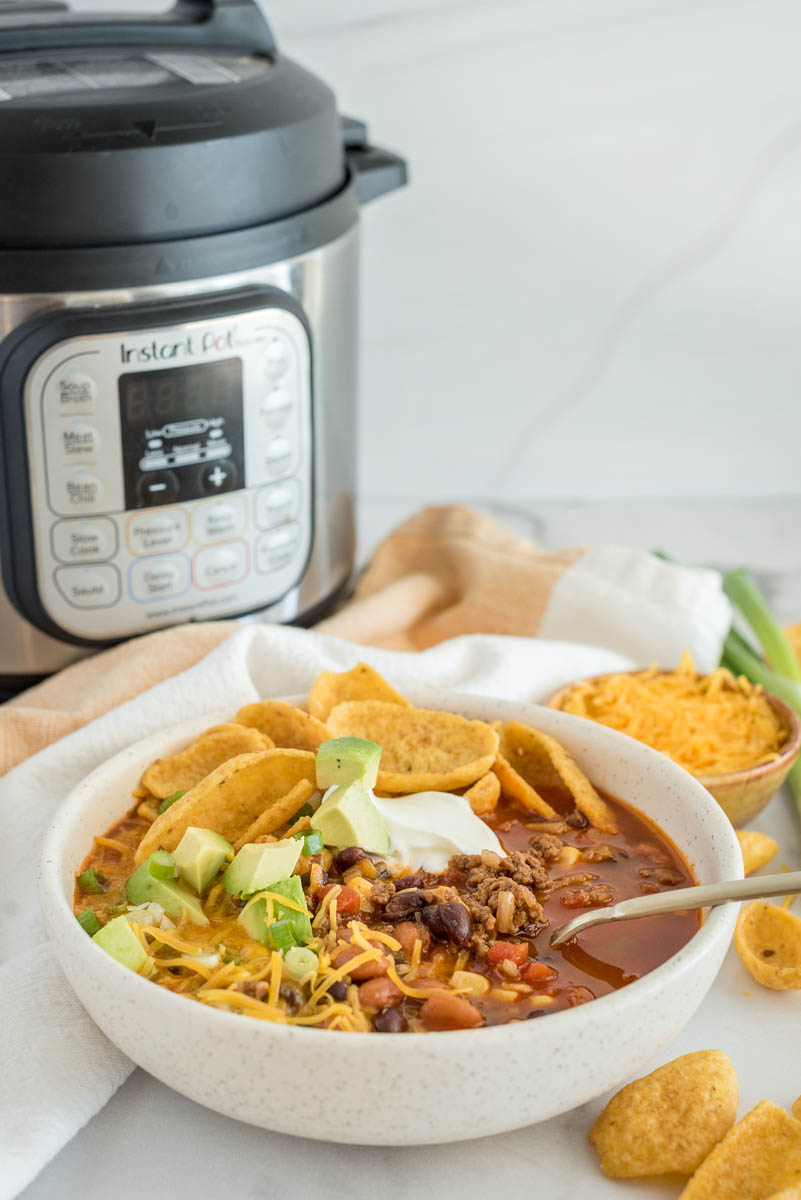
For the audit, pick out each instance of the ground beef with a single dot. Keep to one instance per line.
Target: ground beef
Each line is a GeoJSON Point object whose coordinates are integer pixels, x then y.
{"type": "Point", "coordinates": [665, 878]}
{"type": "Point", "coordinates": [522, 866]}
{"type": "Point", "coordinates": [383, 890]}
{"type": "Point", "coordinates": [597, 854]}
{"type": "Point", "coordinates": [482, 904]}
{"type": "Point", "coordinates": [546, 846]}
{"type": "Point", "coordinates": [596, 895]}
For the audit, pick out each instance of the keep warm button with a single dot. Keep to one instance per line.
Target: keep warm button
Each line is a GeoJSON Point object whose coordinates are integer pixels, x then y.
{"type": "Point", "coordinates": [89, 587]}
{"type": "Point", "coordinates": [217, 566]}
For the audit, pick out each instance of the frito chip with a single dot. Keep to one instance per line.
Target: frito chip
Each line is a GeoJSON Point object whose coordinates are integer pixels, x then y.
{"type": "Point", "coordinates": [757, 849]}
{"type": "Point", "coordinates": [515, 787]}
{"type": "Point", "coordinates": [272, 818]}
{"type": "Point", "coordinates": [216, 745]}
{"type": "Point", "coordinates": [484, 794]}
{"type": "Point", "coordinates": [289, 727]}
{"type": "Point", "coordinates": [542, 762]}
{"type": "Point", "coordinates": [232, 797]}
{"type": "Point", "coordinates": [669, 1120]}
{"type": "Point", "coordinates": [360, 683]}
{"type": "Point", "coordinates": [796, 1109]}
{"type": "Point", "coordinates": [790, 1193]}
{"type": "Point", "coordinates": [421, 750]}
{"type": "Point", "coordinates": [768, 940]}
{"type": "Point", "coordinates": [761, 1155]}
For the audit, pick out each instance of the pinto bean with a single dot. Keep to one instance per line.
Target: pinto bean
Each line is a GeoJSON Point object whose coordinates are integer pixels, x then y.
{"type": "Point", "coordinates": [443, 1010]}
{"type": "Point", "coordinates": [380, 992]}
{"type": "Point", "coordinates": [367, 970]}
{"type": "Point", "coordinates": [449, 921]}
{"type": "Point", "coordinates": [403, 904]}
{"type": "Point", "coordinates": [407, 933]}
{"type": "Point", "coordinates": [389, 1020]}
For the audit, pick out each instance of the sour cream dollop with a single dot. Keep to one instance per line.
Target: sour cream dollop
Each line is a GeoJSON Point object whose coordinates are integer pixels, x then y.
{"type": "Point", "coordinates": [426, 828]}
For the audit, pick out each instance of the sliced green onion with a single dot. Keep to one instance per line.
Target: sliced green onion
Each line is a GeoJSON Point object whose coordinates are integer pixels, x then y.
{"type": "Point", "coordinates": [227, 955]}
{"type": "Point", "coordinates": [168, 800]}
{"type": "Point", "coordinates": [281, 935]}
{"type": "Point", "coordinates": [161, 865]}
{"type": "Point", "coordinates": [93, 882]}
{"type": "Point", "coordinates": [88, 921]}
{"type": "Point", "coordinates": [745, 595]}
{"type": "Point", "coordinates": [300, 962]}
{"type": "Point", "coordinates": [118, 910]}
{"type": "Point", "coordinates": [312, 842]}
{"type": "Point", "coordinates": [305, 810]}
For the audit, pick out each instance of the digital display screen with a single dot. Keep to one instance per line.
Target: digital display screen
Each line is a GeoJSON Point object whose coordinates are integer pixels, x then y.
{"type": "Point", "coordinates": [182, 432]}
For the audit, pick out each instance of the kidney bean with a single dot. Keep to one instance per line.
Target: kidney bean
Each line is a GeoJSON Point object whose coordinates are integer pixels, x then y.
{"type": "Point", "coordinates": [402, 905]}
{"type": "Point", "coordinates": [407, 933]}
{"type": "Point", "coordinates": [449, 921]}
{"type": "Point", "coordinates": [443, 1010]}
{"type": "Point", "coordinates": [516, 952]}
{"type": "Point", "coordinates": [379, 993]}
{"type": "Point", "coordinates": [368, 970]}
{"type": "Point", "coordinates": [338, 990]}
{"type": "Point", "coordinates": [348, 901]}
{"type": "Point", "coordinates": [389, 1020]}
{"type": "Point", "coordinates": [350, 856]}
{"type": "Point", "coordinates": [409, 881]}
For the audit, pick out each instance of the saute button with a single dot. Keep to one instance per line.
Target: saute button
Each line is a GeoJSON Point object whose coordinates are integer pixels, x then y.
{"type": "Point", "coordinates": [278, 454]}
{"type": "Point", "coordinates": [276, 503]}
{"type": "Point", "coordinates": [275, 549]}
{"type": "Point", "coordinates": [157, 487]}
{"type": "Point", "coordinates": [83, 490]}
{"type": "Point", "coordinates": [214, 520]}
{"type": "Point", "coordinates": [79, 440]}
{"type": "Point", "coordinates": [89, 587]}
{"type": "Point", "coordinates": [153, 533]}
{"type": "Point", "coordinates": [217, 566]}
{"type": "Point", "coordinates": [163, 576]}
{"type": "Point", "coordinates": [84, 541]}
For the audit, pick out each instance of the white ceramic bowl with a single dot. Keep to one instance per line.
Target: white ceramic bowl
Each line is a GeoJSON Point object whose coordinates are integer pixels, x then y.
{"type": "Point", "coordinates": [411, 1088]}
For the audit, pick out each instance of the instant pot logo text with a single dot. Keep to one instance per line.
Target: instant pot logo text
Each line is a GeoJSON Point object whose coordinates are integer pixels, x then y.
{"type": "Point", "coordinates": [210, 341]}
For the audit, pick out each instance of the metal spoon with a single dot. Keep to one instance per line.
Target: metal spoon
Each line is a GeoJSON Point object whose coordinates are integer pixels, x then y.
{"type": "Point", "coordinates": [706, 896]}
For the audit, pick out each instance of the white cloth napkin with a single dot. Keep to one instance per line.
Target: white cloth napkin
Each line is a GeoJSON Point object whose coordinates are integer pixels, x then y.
{"type": "Point", "coordinates": [58, 1068]}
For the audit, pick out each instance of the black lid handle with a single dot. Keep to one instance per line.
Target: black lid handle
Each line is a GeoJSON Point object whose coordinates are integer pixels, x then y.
{"type": "Point", "coordinates": [189, 24]}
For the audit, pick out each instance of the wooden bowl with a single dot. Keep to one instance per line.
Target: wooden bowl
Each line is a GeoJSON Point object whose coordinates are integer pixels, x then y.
{"type": "Point", "coordinates": [745, 792]}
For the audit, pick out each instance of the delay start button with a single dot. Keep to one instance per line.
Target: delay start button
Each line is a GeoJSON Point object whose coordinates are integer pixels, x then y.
{"type": "Point", "coordinates": [166, 575]}
{"type": "Point", "coordinates": [156, 532]}
{"type": "Point", "coordinates": [89, 587]}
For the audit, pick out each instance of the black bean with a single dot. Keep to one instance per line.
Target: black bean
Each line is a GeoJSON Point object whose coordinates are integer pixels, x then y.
{"type": "Point", "coordinates": [449, 921]}
{"type": "Point", "coordinates": [338, 990]}
{"type": "Point", "coordinates": [409, 881]}
{"type": "Point", "coordinates": [402, 905]}
{"type": "Point", "coordinates": [577, 820]}
{"type": "Point", "coordinates": [348, 857]}
{"type": "Point", "coordinates": [389, 1020]}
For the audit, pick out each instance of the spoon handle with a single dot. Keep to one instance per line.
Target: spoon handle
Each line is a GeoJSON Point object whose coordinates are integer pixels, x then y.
{"type": "Point", "coordinates": [705, 896]}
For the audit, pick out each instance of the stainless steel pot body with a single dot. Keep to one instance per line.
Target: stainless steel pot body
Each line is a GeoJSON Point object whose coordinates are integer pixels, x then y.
{"type": "Point", "coordinates": [323, 282]}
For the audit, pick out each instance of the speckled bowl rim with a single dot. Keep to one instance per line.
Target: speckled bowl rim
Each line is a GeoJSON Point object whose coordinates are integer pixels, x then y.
{"type": "Point", "coordinates": [743, 774]}
{"type": "Point", "coordinates": [717, 926]}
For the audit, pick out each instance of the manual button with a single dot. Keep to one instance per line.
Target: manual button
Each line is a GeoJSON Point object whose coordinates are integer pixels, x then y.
{"type": "Point", "coordinates": [163, 576]}
{"type": "Point", "coordinates": [155, 532]}
{"type": "Point", "coordinates": [217, 566]}
{"type": "Point", "coordinates": [84, 540]}
{"type": "Point", "coordinates": [89, 587]}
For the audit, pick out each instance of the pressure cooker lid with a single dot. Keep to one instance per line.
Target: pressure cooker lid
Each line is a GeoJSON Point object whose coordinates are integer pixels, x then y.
{"type": "Point", "coordinates": [116, 131]}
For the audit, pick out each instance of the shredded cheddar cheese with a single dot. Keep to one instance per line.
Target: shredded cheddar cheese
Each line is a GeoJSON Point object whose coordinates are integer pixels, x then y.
{"type": "Point", "coordinates": [709, 724]}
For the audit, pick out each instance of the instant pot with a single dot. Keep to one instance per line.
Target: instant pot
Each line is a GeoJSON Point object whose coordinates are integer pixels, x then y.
{"type": "Point", "coordinates": [179, 209]}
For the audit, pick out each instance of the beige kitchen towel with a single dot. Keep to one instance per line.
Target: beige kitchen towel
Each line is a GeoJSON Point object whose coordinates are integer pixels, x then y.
{"type": "Point", "coordinates": [446, 572]}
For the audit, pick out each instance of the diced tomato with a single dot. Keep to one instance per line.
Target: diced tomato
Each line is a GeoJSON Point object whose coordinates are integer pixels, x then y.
{"type": "Point", "coordinates": [348, 901]}
{"type": "Point", "coordinates": [516, 952]}
{"type": "Point", "coordinates": [538, 972]}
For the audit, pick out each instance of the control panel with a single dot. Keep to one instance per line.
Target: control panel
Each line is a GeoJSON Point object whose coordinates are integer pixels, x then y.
{"type": "Point", "coordinates": [170, 471]}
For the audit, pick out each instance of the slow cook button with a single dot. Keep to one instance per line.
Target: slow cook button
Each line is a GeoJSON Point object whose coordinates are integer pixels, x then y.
{"type": "Point", "coordinates": [153, 577]}
{"type": "Point", "coordinates": [217, 566]}
{"type": "Point", "coordinates": [155, 532]}
{"type": "Point", "coordinates": [84, 540]}
{"type": "Point", "coordinates": [276, 548]}
{"type": "Point", "coordinates": [89, 587]}
{"type": "Point", "coordinates": [277, 503]}
{"type": "Point", "coordinates": [218, 519]}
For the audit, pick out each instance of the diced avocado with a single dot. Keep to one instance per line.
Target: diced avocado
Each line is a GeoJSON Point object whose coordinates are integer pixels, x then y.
{"type": "Point", "coordinates": [254, 915]}
{"type": "Point", "coordinates": [199, 856]}
{"type": "Point", "coordinates": [342, 760]}
{"type": "Point", "coordinates": [173, 897]}
{"type": "Point", "coordinates": [259, 865]}
{"type": "Point", "coordinates": [119, 940]}
{"type": "Point", "coordinates": [349, 818]}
